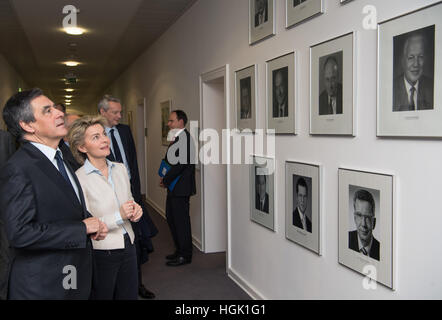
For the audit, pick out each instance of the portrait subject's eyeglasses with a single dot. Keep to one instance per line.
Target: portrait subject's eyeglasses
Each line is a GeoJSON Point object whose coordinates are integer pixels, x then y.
{"type": "Point", "coordinates": [359, 217]}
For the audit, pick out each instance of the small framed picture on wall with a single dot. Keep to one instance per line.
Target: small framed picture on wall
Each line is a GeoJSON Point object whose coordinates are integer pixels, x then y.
{"type": "Point", "coordinates": [303, 205]}
{"type": "Point", "coordinates": [332, 87]}
{"type": "Point", "coordinates": [281, 95]}
{"type": "Point", "coordinates": [166, 108]}
{"type": "Point", "coordinates": [262, 191]}
{"type": "Point", "coordinates": [366, 224]}
{"type": "Point", "coordinates": [245, 88]}
{"type": "Point", "coordinates": [261, 20]}
{"type": "Point", "coordinates": [298, 11]}
{"type": "Point", "coordinates": [410, 74]}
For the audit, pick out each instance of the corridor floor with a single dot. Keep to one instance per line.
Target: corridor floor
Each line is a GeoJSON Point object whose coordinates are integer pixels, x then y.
{"type": "Point", "coordinates": [204, 279]}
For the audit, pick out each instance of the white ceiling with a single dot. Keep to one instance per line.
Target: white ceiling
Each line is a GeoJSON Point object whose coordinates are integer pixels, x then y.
{"type": "Point", "coordinates": [118, 31]}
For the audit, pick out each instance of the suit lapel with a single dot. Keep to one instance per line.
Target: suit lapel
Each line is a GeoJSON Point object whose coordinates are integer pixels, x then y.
{"type": "Point", "coordinates": [80, 191]}
{"type": "Point", "coordinates": [124, 141]}
{"type": "Point", "coordinates": [43, 163]}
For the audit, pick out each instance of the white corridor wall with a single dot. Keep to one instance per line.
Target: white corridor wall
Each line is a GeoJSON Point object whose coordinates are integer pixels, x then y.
{"type": "Point", "coordinates": [214, 33]}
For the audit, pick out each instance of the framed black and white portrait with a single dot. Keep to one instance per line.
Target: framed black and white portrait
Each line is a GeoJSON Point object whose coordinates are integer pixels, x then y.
{"type": "Point", "coordinates": [262, 191]}
{"type": "Point", "coordinates": [298, 11]}
{"type": "Point", "coordinates": [261, 20]}
{"type": "Point", "coordinates": [281, 95]}
{"type": "Point", "coordinates": [366, 224]}
{"type": "Point", "coordinates": [409, 73]}
{"type": "Point", "coordinates": [166, 107]}
{"type": "Point", "coordinates": [245, 83]}
{"type": "Point", "coordinates": [332, 86]}
{"type": "Point", "coordinates": [303, 205]}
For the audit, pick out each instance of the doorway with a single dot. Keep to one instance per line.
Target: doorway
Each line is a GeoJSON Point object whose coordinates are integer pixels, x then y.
{"type": "Point", "coordinates": [214, 113]}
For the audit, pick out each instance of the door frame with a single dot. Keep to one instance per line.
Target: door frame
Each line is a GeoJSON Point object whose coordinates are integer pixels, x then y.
{"type": "Point", "coordinates": [221, 72]}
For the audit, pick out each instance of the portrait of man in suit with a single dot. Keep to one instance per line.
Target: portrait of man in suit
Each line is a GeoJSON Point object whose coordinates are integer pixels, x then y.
{"type": "Point", "coordinates": [261, 12]}
{"type": "Point", "coordinates": [280, 91]}
{"type": "Point", "coordinates": [330, 99]}
{"type": "Point", "coordinates": [413, 84]}
{"type": "Point", "coordinates": [302, 200]}
{"type": "Point", "coordinates": [362, 239]}
{"type": "Point", "coordinates": [262, 197]}
{"type": "Point", "coordinates": [298, 2]}
{"type": "Point", "coordinates": [246, 102]}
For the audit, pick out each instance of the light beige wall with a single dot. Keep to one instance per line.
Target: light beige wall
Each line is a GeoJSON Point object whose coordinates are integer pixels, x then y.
{"type": "Point", "coordinates": [214, 33]}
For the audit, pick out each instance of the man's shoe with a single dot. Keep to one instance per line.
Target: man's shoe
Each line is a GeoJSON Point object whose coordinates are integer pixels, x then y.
{"type": "Point", "coordinates": [173, 256]}
{"type": "Point", "coordinates": [144, 293]}
{"type": "Point", "coordinates": [178, 262]}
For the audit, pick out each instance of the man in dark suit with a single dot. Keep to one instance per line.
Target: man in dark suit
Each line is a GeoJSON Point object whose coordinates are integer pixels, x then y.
{"type": "Point", "coordinates": [362, 239]}
{"type": "Point", "coordinates": [42, 207]}
{"type": "Point", "coordinates": [64, 144]}
{"type": "Point", "coordinates": [261, 12]}
{"type": "Point", "coordinates": [7, 149]}
{"type": "Point", "coordinates": [262, 197]}
{"type": "Point", "coordinates": [179, 156]}
{"type": "Point", "coordinates": [300, 220]}
{"type": "Point", "coordinates": [330, 100]}
{"type": "Point", "coordinates": [123, 150]}
{"type": "Point", "coordinates": [412, 90]}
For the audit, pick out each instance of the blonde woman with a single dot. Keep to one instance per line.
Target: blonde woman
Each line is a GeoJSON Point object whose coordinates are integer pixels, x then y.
{"type": "Point", "coordinates": [106, 189]}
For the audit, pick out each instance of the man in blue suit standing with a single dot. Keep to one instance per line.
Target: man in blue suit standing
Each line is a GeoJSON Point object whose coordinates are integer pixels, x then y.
{"type": "Point", "coordinates": [123, 150]}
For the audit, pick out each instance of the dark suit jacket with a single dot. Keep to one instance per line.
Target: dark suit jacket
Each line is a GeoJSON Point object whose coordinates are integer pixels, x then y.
{"type": "Point", "coordinates": [323, 102]}
{"type": "Point", "coordinates": [7, 149]}
{"type": "Point", "coordinates": [145, 228]}
{"type": "Point", "coordinates": [68, 156]}
{"type": "Point", "coordinates": [353, 244]}
{"type": "Point", "coordinates": [186, 185]}
{"type": "Point", "coordinates": [298, 223]}
{"type": "Point", "coordinates": [7, 146]}
{"type": "Point", "coordinates": [424, 96]}
{"type": "Point", "coordinates": [43, 221]}
{"type": "Point", "coordinates": [258, 203]}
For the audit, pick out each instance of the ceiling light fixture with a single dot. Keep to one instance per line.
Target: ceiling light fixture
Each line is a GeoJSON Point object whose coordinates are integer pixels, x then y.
{"type": "Point", "coordinates": [75, 31]}
{"type": "Point", "coordinates": [71, 63]}
{"type": "Point", "coordinates": [69, 90]}
{"type": "Point", "coordinates": [68, 97]}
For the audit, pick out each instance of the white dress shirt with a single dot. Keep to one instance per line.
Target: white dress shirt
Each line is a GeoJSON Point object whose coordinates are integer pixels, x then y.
{"type": "Point", "coordinates": [50, 154]}
{"type": "Point", "coordinates": [367, 248]}
{"type": "Point", "coordinates": [302, 217]}
{"type": "Point", "coordinates": [332, 100]}
{"type": "Point", "coordinates": [408, 86]}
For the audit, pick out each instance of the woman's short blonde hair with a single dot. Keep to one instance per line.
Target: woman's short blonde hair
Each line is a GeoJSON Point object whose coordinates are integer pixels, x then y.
{"type": "Point", "coordinates": [77, 131]}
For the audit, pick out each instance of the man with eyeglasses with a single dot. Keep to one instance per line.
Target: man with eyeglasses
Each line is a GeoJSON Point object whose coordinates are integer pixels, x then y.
{"type": "Point", "coordinates": [362, 239]}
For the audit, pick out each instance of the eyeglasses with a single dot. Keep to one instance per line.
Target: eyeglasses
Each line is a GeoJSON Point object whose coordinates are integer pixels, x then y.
{"type": "Point", "coordinates": [367, 219]}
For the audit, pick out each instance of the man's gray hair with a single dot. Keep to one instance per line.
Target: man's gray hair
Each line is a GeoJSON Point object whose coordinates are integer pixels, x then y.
{"type": "Point", "coordinates": [104, 103]}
